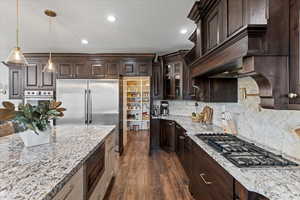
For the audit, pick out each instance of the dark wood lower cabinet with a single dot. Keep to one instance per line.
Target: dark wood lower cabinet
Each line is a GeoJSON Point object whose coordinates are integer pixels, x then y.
{"type": "Point", "coordinates": [207, 179]}
{"type": "Point", "coordinates": [154, 134]}
{"type": "Point", "coordinates": [167, 137]}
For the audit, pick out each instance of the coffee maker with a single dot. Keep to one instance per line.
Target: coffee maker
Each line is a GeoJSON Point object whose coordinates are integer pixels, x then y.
{"type": "Point", "coordinates": [164, 108]}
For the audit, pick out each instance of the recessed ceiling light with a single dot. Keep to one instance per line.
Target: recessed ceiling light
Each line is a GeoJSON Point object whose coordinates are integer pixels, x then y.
{"type": "Point", "coordinates": [84, 41]}
{"type": "Point", "coordinates": [183, 31]}
{"type": "Point", "coordinates": [111, 18]}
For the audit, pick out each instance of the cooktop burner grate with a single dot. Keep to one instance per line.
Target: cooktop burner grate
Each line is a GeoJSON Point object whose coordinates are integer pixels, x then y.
{"type": "Point", "coordinates": [242, 153]}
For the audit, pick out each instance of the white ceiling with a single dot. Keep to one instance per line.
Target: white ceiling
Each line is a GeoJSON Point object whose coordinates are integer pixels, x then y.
{"type": "Point", "coordinates": [142, 26]}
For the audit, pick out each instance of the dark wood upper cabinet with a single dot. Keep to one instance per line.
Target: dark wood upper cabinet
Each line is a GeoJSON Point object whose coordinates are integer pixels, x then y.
{"type": "Point", "coordinates": [244, 38]}
{"type": "Point", "coordinates": [294, 102]}
{"type": "Point", "coordinates": [113, 69]}
{"type": "Point", "coordinates": [213, 27]}
{"type": "Point", "coordinates": [98, 69]}
{"type": "Point", "coordinates": [235, 9]}
{"type": "Point", "coordinates": [31, 76]}
{"type": "Point", "coordinates": [65, 70]}
{"type": "Point", "coordinates": [157, 81]}
{"type": "Point", "coordinates": [177, 81]}
{"type": "Point", "coordinates": [15, 83]}
{"type": "Point", "coordinates": [217, 90]}
{"type": "Point", "coordinates": [129, 69]}
{"type": "Point", "coordinates": [82, 70]}
{"type": "Point", "coordinates": [35, 78]}
{"type": "Point", "coordinates": [144, 69]}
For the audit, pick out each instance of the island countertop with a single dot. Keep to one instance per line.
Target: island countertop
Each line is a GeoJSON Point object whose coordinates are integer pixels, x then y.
{"type": "Point", "coordinates": [38, 173]}
{"type": "Point", "coordinates": [275, 183]}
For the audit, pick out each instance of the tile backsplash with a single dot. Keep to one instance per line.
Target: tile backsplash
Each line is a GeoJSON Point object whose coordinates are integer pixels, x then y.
{"type": "Point", "coordinates": [272, 128]}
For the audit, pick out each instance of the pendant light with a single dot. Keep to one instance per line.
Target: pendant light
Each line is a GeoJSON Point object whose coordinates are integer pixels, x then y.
{"type": "Point", "coordinates": [50, 66]}
{"type": "Point", "coordinates": [16, 56]}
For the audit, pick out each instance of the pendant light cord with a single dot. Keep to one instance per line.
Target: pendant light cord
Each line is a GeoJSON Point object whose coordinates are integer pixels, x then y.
{"type": "Point", "coordinates": [50, 30]}
{"type": "Point", "coordinates": [18, 22]}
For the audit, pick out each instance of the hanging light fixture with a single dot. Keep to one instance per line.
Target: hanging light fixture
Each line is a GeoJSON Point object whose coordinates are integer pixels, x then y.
{"type": "Point", "coordinates": [50, 66]}
{"type": "Point", "coordinates": [16, 56]}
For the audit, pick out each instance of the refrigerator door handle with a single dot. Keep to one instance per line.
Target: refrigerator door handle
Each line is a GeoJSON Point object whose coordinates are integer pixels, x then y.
{"type": "Point", "coordinates": [85, 107]}
{"type": "Point", "coordinates": [90, 107]}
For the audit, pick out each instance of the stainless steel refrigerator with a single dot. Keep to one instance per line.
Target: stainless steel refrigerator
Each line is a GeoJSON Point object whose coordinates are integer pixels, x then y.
{"type": "Point", "coordinates": [89, 101]}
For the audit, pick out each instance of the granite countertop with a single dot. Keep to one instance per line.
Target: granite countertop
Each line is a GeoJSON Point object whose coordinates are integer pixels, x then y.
{"type": "Point", "coordinates": [38, 173]}
{"type": "Point", "coordinates": [274, 183]}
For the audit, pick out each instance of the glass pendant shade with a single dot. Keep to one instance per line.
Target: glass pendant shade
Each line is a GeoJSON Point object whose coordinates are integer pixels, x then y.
{"type": "Point", "coordinates": [16, 57]}
{"type": "Point", "coordinates": [50, 67]}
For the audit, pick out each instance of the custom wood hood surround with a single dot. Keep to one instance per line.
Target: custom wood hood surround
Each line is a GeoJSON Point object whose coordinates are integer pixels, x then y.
{"type": "Point", "coordinates": [249, 37]}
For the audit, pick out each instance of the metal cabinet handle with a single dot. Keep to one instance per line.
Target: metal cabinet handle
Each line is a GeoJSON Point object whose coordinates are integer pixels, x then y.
{"type": "Point", "coordinates": [69, 192]}
{"type": "Point", "coordinates": [292, 95]}
{"type": "Point", "coordinates": [171, 123]}
{"type": "Point", "coordinates": [181, 137]}
{"type": "Point", "coordinates": [203, 179]}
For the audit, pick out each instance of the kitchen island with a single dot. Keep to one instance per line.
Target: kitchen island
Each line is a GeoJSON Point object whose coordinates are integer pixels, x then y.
{"type": "Point", "coordinates": [275, 183]}
{"type": "Point", "coordinates": [40, 172]}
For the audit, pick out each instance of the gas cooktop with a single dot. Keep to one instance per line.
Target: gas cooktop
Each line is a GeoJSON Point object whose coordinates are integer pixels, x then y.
{"type": "Point", "coordinates": [242, 153]}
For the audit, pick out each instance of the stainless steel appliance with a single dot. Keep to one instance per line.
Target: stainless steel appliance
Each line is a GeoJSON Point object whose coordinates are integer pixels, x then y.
{"type": "Point", "coordinates": [89, 101]}
{"type": "Point", "coordinates": [242, 153]}
{"type": "Point", "coordinates": [164, 108]}
{"type": "Point", "coordinates": [36, 97]}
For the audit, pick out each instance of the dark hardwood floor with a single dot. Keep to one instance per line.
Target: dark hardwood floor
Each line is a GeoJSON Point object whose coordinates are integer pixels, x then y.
{"type": "Point", "coordinates": [140, 177]}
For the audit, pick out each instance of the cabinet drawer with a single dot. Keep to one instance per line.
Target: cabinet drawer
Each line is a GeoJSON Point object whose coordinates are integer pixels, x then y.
{"type": "Point", "coordinates": [73, 190]}
{"type": "Point", "coordinates": [219, 183]}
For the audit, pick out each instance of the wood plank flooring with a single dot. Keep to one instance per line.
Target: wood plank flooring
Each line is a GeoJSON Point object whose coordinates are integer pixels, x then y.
{"type": "Point", "coordinates": [140, 177]}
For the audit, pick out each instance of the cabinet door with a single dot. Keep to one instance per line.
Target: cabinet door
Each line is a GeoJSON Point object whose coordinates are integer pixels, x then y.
{"type": "Point", "coordinates": [82, 70]}
{"type": "Point", "coordinates": [180, 138]}
{"type": "Point", "coordinates": [154, 133]}
{"type": "Point", "coordinates": [144, 69]}
{"type": "Point", "coordinates": [47, 80]}
{"type": "Point", "coordinates": [157, 80]}
{"type": "Point", "coordinates": [173, 80]}
{"type": "Point", "coordinates": [98, 69]}
{"type": "Point", "coordinates": [31, 76]}
{"type": "Point", "coordinates": [295, 54]}
{"type": "Point", "coordinates": [65, 70]}
{"type": "Point", "coordinates": [15, 83]}
{"type": "Point", "coordinates": [178, 80]}
{"type": "Point", "coordinates": [167, 136]}
{"type": "Point", "coordinates": [112, 70]}
{"type": "Point", "coordinates": [235, 15]}
{"type": "Point", "coordinates": [213, 26]}
{"type": "Point", "coordinates": [169, 89]}
{"type": "Point", "coordinates": [129, 69]}
{"type": "Point", "coordinates": [214, 178]}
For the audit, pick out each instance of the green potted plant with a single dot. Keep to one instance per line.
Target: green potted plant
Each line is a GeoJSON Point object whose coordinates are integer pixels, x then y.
{"type": "Point", "coordinates": [37, 120]}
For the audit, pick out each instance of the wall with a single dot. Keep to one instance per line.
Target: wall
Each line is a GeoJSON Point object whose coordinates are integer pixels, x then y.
{"type": "Point", "coordinates": [272, 128]}
{"type": "Point", "coordinates": [3, 76]}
